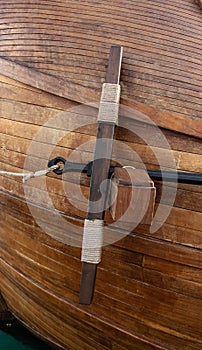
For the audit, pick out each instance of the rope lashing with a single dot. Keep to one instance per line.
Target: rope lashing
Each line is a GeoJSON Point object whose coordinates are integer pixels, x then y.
{"type": "Point", "coordinates": [92, 241]}
{"type": "Point", "coordinates": [109, 103]}
{"type": "Point", "coordinates": [27, 176]}
{"type": "Point", "coordinates": [199, 2]}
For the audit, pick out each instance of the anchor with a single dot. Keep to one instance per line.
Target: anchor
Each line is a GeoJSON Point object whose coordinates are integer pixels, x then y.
{"type": "Point", "coordinates": [100, 170]}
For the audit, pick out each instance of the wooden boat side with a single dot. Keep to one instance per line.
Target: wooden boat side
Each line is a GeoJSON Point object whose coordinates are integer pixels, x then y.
{"type": "Point", "coordinates": [148, 289]}
{"type": "Point", "coordinates": [16, 139]}
{"type": "Point", "coordinates": [177, 121]}
{"type": "Point", "coordinates": [161, 66]}
{"type": "Point", "coordinates": [134, 274]}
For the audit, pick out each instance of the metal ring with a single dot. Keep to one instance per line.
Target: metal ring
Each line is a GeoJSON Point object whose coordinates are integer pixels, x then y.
{"type": "Point", "coordinates": [55, 161]}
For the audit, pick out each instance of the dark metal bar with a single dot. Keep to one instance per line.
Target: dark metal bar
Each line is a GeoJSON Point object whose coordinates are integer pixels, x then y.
{"type": "Point", "coordinates": [100, 172]}
{"type": "Point", "coordinates": [176, 176]}
{"type": "Point", "coordinates": [156, 175]}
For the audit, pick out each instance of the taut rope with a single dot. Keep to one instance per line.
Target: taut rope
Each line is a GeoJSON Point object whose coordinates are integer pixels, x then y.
{"type": "Point", "coordinates": [27, 176]}
{"type": "Point", "coordinates": [199, 2]}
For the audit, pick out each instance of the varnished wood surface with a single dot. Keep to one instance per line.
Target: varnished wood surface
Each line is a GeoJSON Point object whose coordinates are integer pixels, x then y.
{"type": "Point", "coordinates": [139, 276]}
{"type": "Point", "coordinates": [141, 187]}
{"type": "Point", "coordinates": [148, 292]}
{"type": "Point", "coordinates": [62, 47]}
{"type": "Point", "coordinates": [149, 287]}
{"type": "Point", "coordinates": [178, 122]}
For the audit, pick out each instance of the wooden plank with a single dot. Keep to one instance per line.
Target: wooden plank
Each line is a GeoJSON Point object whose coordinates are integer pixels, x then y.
{"type": "Point", "coordinates": [190, 126]}
{"type": "Point", "coordinates": [100, 171]}
{"type": "Point", "coordinates": [144, 193]}
{"type": "Point", "coordinates": [131, 313]}
{"type": "Point", "coordinates": [51, 138]}
{"type": "Point", "coordinates": [125, 266]}
{"type": "Point", "coordinates": [177, 121]}
{"type": "Point", "coordinates": [129, 297]}
{"type": "Point", "coordinates": [64, 317]}
{"type": "Point", "coordinates": [162, 64]}
{"type": "Point", "coordinates": [15, 92]}
{"type": "Point", "coordinates": [42, 81]}
{"type": "Point", "coordinates": [185, 233]}
{"type": "Point", "coordinates": [155, 247]}
{"type": "Point", "coordinates": [29, 113]}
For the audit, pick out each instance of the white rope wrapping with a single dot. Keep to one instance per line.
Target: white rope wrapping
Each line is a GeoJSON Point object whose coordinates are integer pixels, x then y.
{"type": "Point", "coordinates": [109, 103]}
{"type": "Point", "coordinates": [92, 241]}
{"type": "Point", "coordinates": [199, 2]}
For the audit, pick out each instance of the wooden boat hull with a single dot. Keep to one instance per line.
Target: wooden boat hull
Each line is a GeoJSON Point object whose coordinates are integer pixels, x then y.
{"type": "Point", "coordinates": [148, 286]}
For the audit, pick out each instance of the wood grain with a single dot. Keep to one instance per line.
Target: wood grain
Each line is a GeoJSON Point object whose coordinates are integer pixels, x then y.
{"type": "Point", "coordinates": [100, 173]}
{"type": "Point", "coordinates": [148, 288]}
{"type": "Point", "coordinates": [161, 65]}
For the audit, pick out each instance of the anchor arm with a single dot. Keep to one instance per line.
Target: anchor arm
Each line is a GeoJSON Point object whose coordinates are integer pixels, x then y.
{"type": "Point", "coordinates": [156, 175]}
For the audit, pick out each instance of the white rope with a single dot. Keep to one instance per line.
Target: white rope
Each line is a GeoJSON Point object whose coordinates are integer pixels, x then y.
{"type": "Point", "coordinates": [129, 167]}
{"type": "Point", "coordinates": [92, 241]}
{"type": "Point", "coordinates": [109, 103]}
{"type": "Point", "coordinates": [12, 173]}
{"type": "Point", "coordinates": [199, 2]}
{"type": "Point", "coordinates": [27, 176]}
